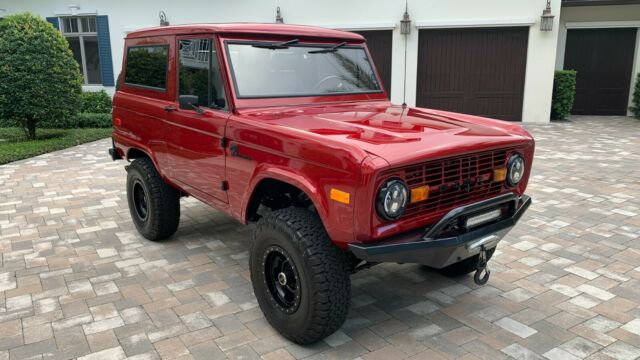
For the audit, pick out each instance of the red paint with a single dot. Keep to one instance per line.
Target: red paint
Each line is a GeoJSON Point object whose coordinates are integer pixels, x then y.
{"type": "Point", "coordinates": [315, 143]}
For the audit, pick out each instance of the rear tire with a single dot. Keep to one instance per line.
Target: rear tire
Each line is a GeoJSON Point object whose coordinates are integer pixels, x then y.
{"type": "Point", "coordinates": [154, 205]}
{"type": "Point", "coordinates": [299, 277]}
{"type": "Point", "coordinates": [465, 266]}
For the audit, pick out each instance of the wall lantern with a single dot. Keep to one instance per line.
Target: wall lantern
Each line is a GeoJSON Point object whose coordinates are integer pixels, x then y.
{"type": "Point", "coordinates": [279, 19]}
{"type": "Point", "coordinates": [163, 19]}
{"type": "Point", "coordinates": [74, 9]}
{"type": "Point", "coordinates": [405, 23]}
{"type": "Point", "coordinates": [546, 20]}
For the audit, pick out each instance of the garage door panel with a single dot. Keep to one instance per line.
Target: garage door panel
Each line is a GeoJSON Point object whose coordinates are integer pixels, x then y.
{"type": "Point", "coordinates": [479, 71]}
{"type": "Point", "coordinates": [380, 44]}
{"type": "Point", "coordinates": [603, 59]}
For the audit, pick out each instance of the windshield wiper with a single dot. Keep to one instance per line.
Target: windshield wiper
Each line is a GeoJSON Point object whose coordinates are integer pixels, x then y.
{"type": "Point", "coordinates": [276, 46]}
{"type": "Point", "coordinates": [332, 49]}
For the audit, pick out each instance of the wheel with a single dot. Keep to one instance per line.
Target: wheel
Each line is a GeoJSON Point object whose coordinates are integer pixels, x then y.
{"type": "Point", "coordinates": [154, 205]}
{"type": "Point", "coordinates": [465, 266]}
{"type": "Point", "coordinates": [299, 277]}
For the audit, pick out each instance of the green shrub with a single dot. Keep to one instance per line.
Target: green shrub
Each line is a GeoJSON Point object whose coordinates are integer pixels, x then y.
{"type": "Point", "coordinates": [635, 108]}
{"type": "Point", "coordinates": [91, 120]}
{"type": "Point", "coordinates": [80, 121]}
{"type": "Point", "coordinates": [96, 102]}
{"type": "Point", "coordinates": [564, 92]}
{"type": "Point", "coordinates": [39, 78]}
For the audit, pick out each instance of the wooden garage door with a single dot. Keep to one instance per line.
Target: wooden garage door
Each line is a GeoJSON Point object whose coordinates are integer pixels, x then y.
{"type": "Point", "coordinates": [379, 43]}
{"type": "Point", "coordinates": [476, 71]}
{"type": "Point", "coordinates": [603, 59]}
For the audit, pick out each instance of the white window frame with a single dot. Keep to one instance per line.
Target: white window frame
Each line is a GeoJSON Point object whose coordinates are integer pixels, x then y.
{"type": "Point", "coordinates": [80, 35]}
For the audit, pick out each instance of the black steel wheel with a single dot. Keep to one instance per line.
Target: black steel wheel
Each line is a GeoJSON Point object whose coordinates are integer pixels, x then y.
{"type": "Point", "coordinates": [282, 279]}
{"type": "Point", "coordinates": [153, 204]}
{"type": "Point", "coordinates": [300, 279]}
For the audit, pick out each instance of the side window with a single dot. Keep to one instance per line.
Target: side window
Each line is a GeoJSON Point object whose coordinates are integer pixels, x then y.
{"type": "Point", "coordinates": [199, 73]}
{"type": "Point", "coordinates": [147, 66]}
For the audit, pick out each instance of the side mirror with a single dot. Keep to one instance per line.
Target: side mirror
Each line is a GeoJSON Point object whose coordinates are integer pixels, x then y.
{"type": "Point", "coordinates": [188, 102]}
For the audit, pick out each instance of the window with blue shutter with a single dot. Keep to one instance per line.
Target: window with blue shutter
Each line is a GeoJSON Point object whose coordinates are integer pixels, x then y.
{"type": "Point", "coordinates": [104, 49]}
{"type": "Point", "coordinates": [54, 21]}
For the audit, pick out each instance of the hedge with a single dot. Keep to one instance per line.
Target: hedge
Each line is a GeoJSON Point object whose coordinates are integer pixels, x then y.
{"type": "Point", "coordinates": [564, 92]}
{"type": "Point", "coordinates": [96, 102]}
{"type": "Point", "coordinates": [635, 108]}
{"type": "Point", "coordinates": [80, 121]}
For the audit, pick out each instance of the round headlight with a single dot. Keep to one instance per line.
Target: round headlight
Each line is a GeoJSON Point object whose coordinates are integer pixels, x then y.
{"type": "Point", "coordinates": [515, 169]}
{"type": "Point", "coordinates": [392, 199]}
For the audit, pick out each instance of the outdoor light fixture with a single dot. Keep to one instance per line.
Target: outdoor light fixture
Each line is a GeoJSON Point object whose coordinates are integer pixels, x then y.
{"type": "Point", "coordinates": [163, 19]}
{"type": "Point", "coordinates": [546, 20]}
{"type": "Point", "coordinates": [405, 23]}
{"type": "Point", "coordinates": [74, 9]}
{"type": "Point", "coordinates": [279, 19]}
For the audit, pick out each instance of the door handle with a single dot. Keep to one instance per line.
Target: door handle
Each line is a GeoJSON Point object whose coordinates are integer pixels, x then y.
{"type": "Point", "coordinates": [170, 108]}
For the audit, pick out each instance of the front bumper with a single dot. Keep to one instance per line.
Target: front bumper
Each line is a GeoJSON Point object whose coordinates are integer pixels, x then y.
{"type": "Point", "coordinates": [440, 246]}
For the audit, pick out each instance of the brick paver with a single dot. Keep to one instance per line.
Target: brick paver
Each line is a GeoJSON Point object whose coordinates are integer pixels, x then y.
{"type": "Point", "coordinates": [76, 279]}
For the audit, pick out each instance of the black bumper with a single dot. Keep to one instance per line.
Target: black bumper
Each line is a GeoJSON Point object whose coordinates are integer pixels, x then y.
{"type": "Point", "coordinates": [437, 247]}
{"type": "Point", "coordinates": [113, 153]}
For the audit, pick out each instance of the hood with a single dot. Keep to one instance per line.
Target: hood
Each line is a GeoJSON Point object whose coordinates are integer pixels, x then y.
{"type": "Point", "coordinates": [395, 133]}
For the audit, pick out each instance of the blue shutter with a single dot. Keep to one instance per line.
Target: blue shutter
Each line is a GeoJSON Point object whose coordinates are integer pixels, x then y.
{"type": "Point", "coordinates": [54, 21]}
{"type": "Point", "coordinates": [104, 49]}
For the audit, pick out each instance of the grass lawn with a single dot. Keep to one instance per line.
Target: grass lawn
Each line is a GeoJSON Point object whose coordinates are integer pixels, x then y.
{"type": "Point", "coordinates": [15, 146]}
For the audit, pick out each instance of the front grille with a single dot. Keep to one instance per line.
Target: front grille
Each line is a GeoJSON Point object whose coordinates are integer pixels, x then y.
{"type": "Point", "coordinates": [455, 181]}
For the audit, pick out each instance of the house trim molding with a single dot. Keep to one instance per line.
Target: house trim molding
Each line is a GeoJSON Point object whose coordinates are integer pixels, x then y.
{"type": "Point", "coordinates": [427, 24]}
{"type": "Point", "coordinates": [361, 27]}
{"type": "Point", "coordinates": [602, 24]}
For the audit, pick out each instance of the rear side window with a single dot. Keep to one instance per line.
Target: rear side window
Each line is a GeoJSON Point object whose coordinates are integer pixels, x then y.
{"type": "Point", "coordinates": [146, 66]}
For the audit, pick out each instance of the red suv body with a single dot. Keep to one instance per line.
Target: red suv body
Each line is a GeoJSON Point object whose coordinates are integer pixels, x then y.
{"type": "Point", "coordinates": [255, 117]}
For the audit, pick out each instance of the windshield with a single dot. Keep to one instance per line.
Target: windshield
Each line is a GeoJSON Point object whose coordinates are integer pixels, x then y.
{"type": "Point", "coordinates": [271, 71]}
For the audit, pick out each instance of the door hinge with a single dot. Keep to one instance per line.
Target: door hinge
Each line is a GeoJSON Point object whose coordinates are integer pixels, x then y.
{"type": "Point", "coordinates": [224, 185]}
{"type": "Point", "coordinates": [223, 142]}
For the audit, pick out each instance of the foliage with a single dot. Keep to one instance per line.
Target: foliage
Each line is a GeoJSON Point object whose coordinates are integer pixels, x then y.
{"type": "Point", "coordinates": [40, 77]}
{"type": "Point", "coordinates": [96, 102]}
{"type": "Point", "coordinates": [564, 92]}
{"type": "Point", "coordinates": [635, 108]}
{"type": "Point", "coordinates": [147, 66]}
{"type": "Point", "coordinates": [16, 146]}
{"type": "Point", "coordinates": [80, 121]}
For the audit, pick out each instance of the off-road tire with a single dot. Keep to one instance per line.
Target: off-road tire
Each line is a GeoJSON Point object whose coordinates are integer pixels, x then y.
{"type": "Point", "coordinates": [324, 276]}
{"type": "Point", "coordinates": [163, 201]}
{"type": "Point", "coordinates": [465, 266]}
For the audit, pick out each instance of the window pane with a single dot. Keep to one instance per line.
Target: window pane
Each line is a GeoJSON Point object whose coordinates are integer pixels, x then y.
{"type": "Point", "coordinates": [301, 70]}
{"type": "Point", "coordinates": [194, 69]}
{"type": "Point", "coordinates": [217, 87]}
{"type": "Point", "coordinates": [147, 66]}
{"type": "Point", "coordinates": [85, 24]}
{"type": "Point", "coordinates": [92, 24]}
{"type": "Point", "coordinates": [74, 45]}
{"type": "Point", "coordinates": [92, 58]}
{"type": "Point", "coordinates": [70, 25]}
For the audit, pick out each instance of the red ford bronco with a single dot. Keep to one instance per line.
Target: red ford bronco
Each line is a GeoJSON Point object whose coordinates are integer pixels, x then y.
{"type": "Point", "coordinates": [289, 127]}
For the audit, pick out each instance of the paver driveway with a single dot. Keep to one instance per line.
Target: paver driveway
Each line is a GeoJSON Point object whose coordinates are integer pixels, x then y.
{"type": "Point", "coordinates": [77, 280]}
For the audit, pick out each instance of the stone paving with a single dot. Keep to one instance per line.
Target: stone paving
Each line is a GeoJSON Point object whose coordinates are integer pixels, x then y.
{"type": "Point", "coordinates": [76, 279]}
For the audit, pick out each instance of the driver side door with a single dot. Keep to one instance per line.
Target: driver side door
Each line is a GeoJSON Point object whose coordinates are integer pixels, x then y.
{"type": "Point", "coordinates": [195, 150]}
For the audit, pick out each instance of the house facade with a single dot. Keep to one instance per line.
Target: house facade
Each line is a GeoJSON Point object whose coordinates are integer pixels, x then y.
{"type": "Point", "coordinates": [489, 58]}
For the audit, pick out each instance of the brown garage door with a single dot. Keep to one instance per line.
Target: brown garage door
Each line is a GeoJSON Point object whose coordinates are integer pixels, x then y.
{"type": "Point", "coordinates": [603, 59]}
{"type": "Point", "coordinates": [379, 44]}
{"type": "Point", "coordinates": [476, 71]}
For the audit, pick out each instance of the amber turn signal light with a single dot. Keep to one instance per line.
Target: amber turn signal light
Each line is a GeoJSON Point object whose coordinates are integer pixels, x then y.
{"type": "Point", "coordinates": [499, 174]}
{"type": "Point", "coordinates": [339, 196]}
{"type": "Point", "coordinates": [419, 194]}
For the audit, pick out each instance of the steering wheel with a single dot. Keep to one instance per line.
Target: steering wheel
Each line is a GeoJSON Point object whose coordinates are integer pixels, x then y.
{"type": "Point", "coordinates": [330, 77]}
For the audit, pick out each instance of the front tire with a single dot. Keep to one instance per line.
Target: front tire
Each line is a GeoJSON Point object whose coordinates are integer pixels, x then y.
{"type": "Point", "coordinates": [299, 277]}
{"type": "Point", "coordinates": [154, 205]}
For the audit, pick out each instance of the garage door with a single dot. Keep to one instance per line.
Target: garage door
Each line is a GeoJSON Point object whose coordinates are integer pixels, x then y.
{"type": "Point", "coordinates": [603, 59]}
{"type": "Point", "coordinates": [379, 44]}
{"type": "Point", "coordinates": [476, 71]}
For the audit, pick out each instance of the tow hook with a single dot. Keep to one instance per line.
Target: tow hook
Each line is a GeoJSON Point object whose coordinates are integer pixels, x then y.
{"type": "Point", "coordinates": [482, 271]}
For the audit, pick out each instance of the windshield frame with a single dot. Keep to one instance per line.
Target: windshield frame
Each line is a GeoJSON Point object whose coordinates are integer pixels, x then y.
{"type": "Point", "coordinates": [232, 74]}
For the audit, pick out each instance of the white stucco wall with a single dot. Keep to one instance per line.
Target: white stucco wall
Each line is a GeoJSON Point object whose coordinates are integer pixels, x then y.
{"type": "Point", "coordinates": [354, 14]}
{"type": "Point", "coordinates": [599, 17]}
